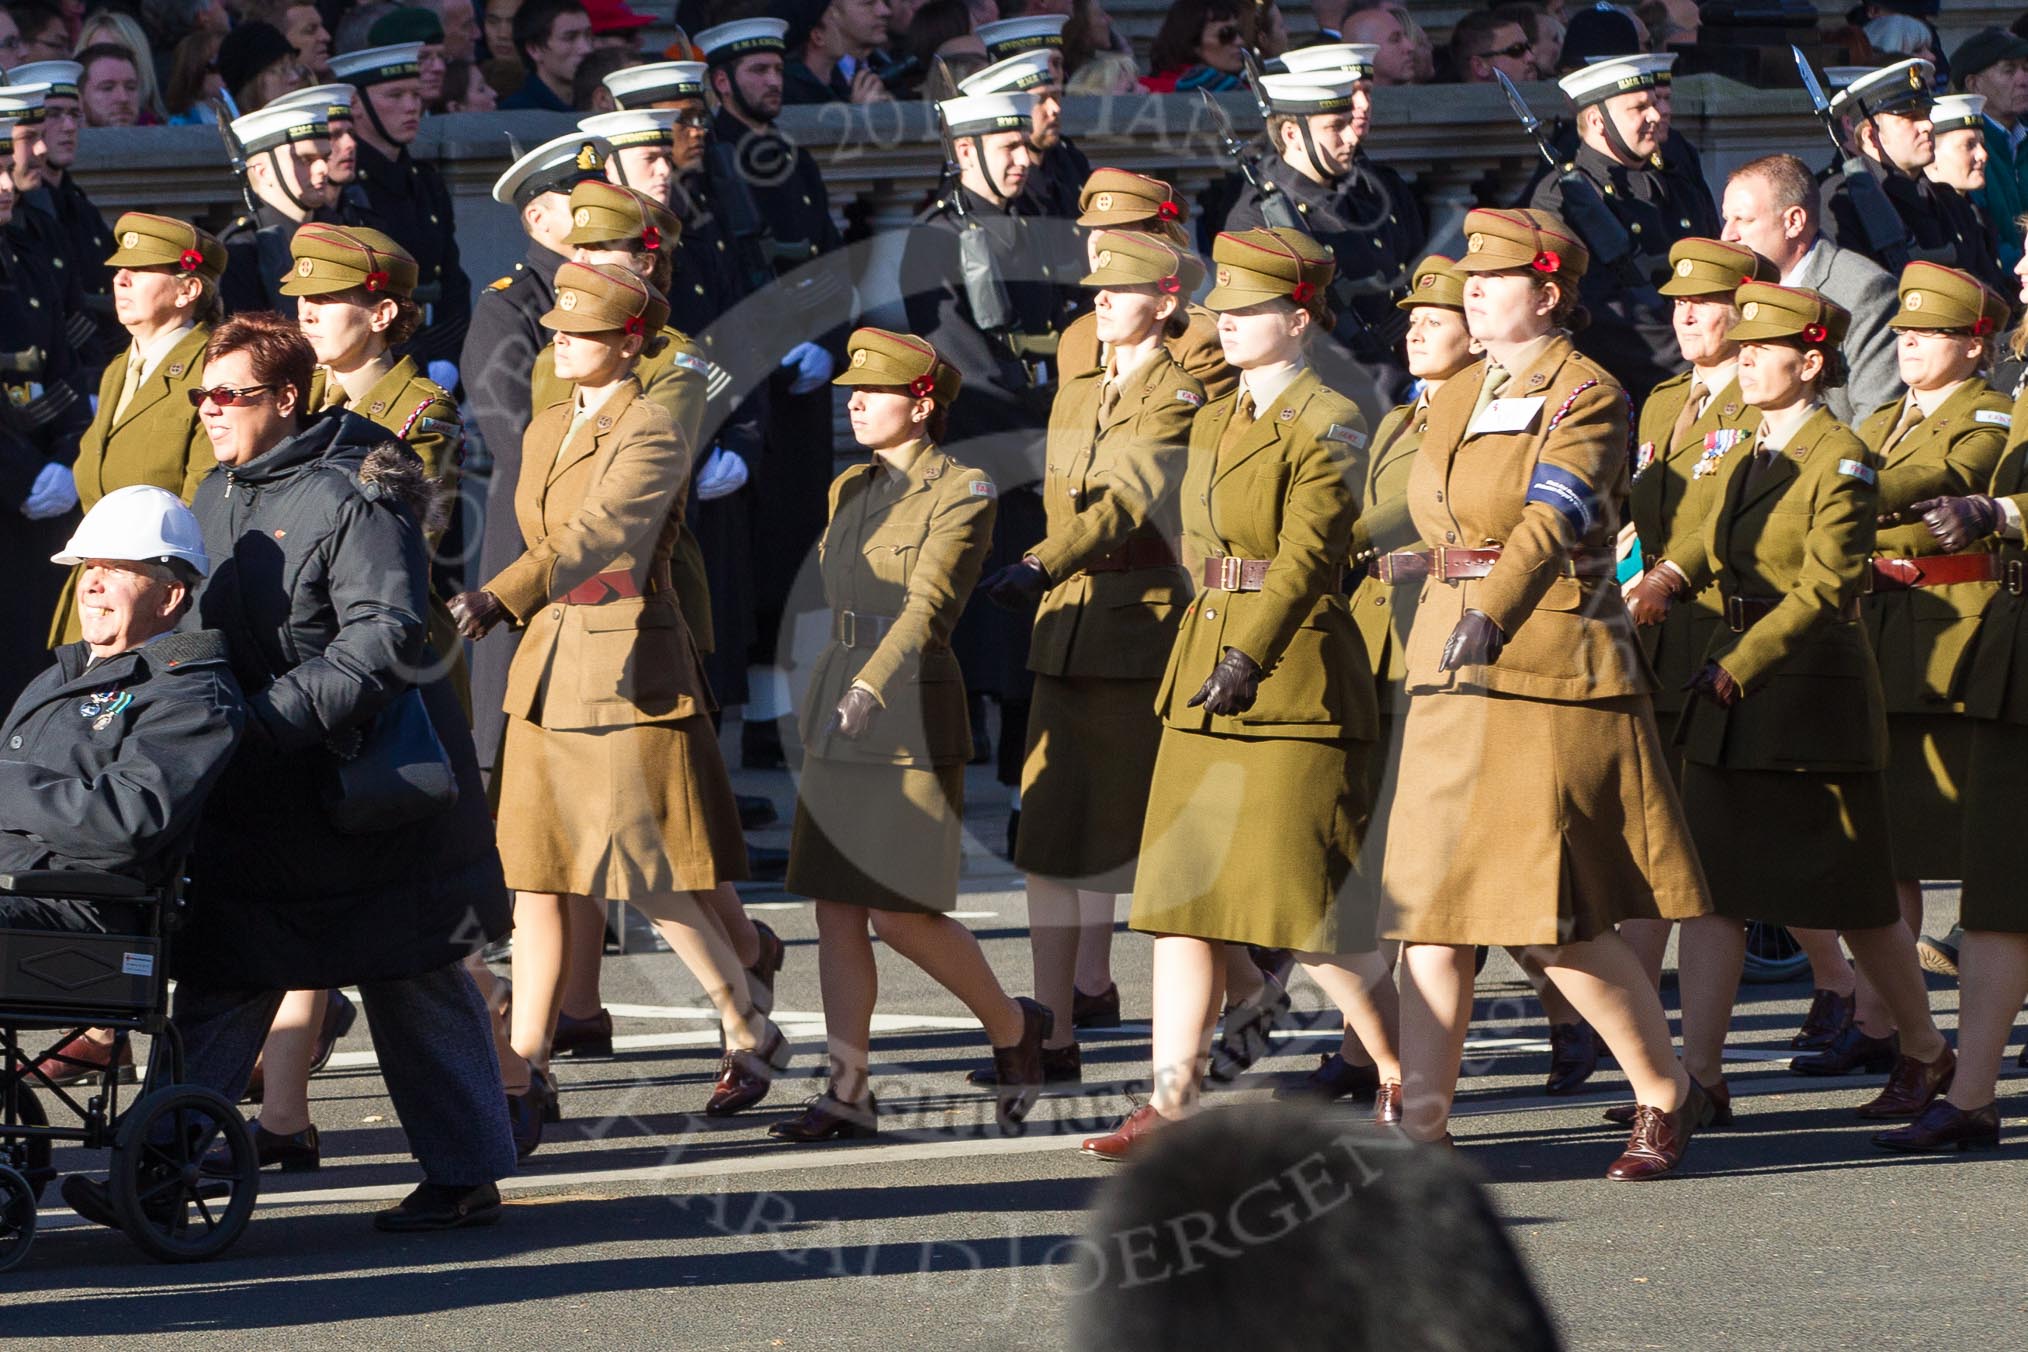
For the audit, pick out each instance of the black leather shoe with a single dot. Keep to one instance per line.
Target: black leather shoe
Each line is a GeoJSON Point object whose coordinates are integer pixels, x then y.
{"type": "Point", "coordinates": [826, 1119]}
{"type": "Point", "coordinates": [1850, 1052]}
{"type": "Point", "coordinates": [1941, 955]}
{"type": "Point", "coordinates": [524, 1122]}
{"type": "Point", "coordinates": [1060, 1065]}
{"type": "Point", "coordinates": [295, 1153]}
{"type": "Point", "coordinates": [773, 953]}
{"type": "Point", "coordinates": [591, 1036]}
{"type": "Point", "coordinates": [1830, 1014]}
{"type": "Point", "coordinates": [755, 811]}
{"type": "Point", "coordinates": [1945, 1126]}
{"type": "Point", "coordinates": [438, 1206]}
{"type": "Point", "coordinates": [89, 1198]}
{"type": "Point", "coordinates": [339, 1016]}
{"type": "Point", "coordinates": [1095, 1011]}
{"type": "Point", "coordinates": [1573, 1057]}
{"type": "Point", "coordinates": [1017, 1067]}
{"type": "Point", "coordinates": [1333, 1079]}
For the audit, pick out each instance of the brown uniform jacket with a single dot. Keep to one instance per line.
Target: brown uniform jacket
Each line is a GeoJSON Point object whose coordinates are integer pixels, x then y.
{"type": "Point", "coordinates": [612, 501]}
{"type": "Point", "coordinates": [1993, 680]}
{"type": "Point", "coordinates": [1197, 351]}
{"type": "Point", "coordinates": [1384, 611]}
{"type": "Point", "coordinates": [1110, 484]}
{"type": "Point", "coordinates": [159, 441]}
{"type": "Point", "coordinates": [1671, 489]}
{"type": "Point", "coordinates": [1285, 489]}
{"type": "Point", "coordinates": [410, 405]}
{"type": "Point", "coordinates": [1919, 636]}
{"type": "Point", "coordinates": [1800, 531]}
{"type": "Point", "coordinates": [1538, 493]}
{"type": "Point", "coordinates": [902, 550]}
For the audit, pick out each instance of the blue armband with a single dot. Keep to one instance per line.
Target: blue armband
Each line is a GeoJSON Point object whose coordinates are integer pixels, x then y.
{"type": "Point", "coordinates": [1569, 496]}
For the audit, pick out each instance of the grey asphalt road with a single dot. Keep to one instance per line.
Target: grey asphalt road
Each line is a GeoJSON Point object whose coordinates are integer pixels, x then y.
{"type": "Point", "coordinates": [641, 1225]}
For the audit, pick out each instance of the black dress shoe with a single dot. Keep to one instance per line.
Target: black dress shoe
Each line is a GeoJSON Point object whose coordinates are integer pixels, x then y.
{"type": "Point", "coordinates": [592, 1036]}
{"type": "Point", "coordinates": [438, 1206]}
{"type": "Point", "coordinates": [1333, 1079]}
{"type": "Point", "coordinates": [339, 1016]}
{"type": "Point", "coordinates": [1243, 1039]}
{"type": "Point", "coordinates": [773, 953]}
{"type": "Point", "coordinates": [295, 1153]}
{"type": "Point", "coordinates": [1060, 1065]}
{"type": "Point", "coordinates": [1573, 1056]}
{"type": "Point", "coordinates": [1850, 1052]}
{"type": "Point", "coordinates": [766, 864]}
{"type": "Point", "coordinates": [1095, 1011]}
{"type": "Point", "coordinates": [1941, 955]}
{"type": "Point", "coordinates": [1830, 1014]}
{"type": "Point", "coordinates": [90, 1199]}
{"type": "Point", "coordinates": [755, 811]}
{"type": "Point", "coordinates": [1017, 1067]}
{"type": "Point", "coordinates": [827, 1119]}
{"type": "Point", "coordinates": [1945, 1126]}
{"type": "Point", "coordinates": [524, 1123]}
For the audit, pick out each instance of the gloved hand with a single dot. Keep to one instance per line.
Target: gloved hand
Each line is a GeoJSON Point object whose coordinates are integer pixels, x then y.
{"type": "Point", "coordinates": [1017, 586]}
{"type": "Point", "coordinates": [445, 373]}
{"type": "Point", "coordinates": [476, 612]}
{"type": "Point", "coordinates": [724, 473]}
{"type": "Point", "coordinates": [854, 714]}
{"type": "Point", "coordinates": [813, 367]}
{"type": "Point", "coordinates": [1476, 641]}
{"type": "Point", "coordinates": [53, 494]}
{"type": "Point", "coordinates": [1232, 686]}
{"type": "Point", "coordinates": [1959, 523]}
{"type": "Point", "coordinates": [1715, 683]}
{"type": "Point", "coordinates": [1648, 600]}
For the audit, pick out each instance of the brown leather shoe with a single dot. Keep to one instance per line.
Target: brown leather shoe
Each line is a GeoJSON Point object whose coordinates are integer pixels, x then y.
{"type": "Point", "coordinates": [827, 1119]}
{"type": "Point", "coordinates": [773, 953]}
{"type": "Point", "coordinates": [1912, 1086]}
{"type": "Point", "coordinates": [744, 1077]}
{"type": "Point", "coordinates": [1945, 1126]}
{"type": "Point", "coordinates": [1718, 1095]}
{"type": "Point", "coordinates": [1333, 1079]}
{"type": "Point", "coordinates": [1830, 1014]}
{"type": "Point", "coordinates": [79, 1058]}
{"type": "Point", "coordinates": [1387, 1105]}
{"type": "Point", "coordinates": [1573, 1056]}
{"type": "Point", "coordinates": [1124, 1139]}
{"type": "Point", "coordinates": [1017, 1069]}
{"type": "Point", "coordinates": [583, 1037]}
{"type": "Point", "coordinates": [1060, 1065]}
{"type": "Point", "coordinates": [1659, 1140]}
{"type": "Point", "coordinates": [1095, 1011]}
{"type": "Point", "coordinates": [1852, 1050]}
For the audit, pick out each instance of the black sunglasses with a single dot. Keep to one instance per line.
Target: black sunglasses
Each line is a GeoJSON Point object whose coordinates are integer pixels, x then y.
{"type": "Point", "coordinates": [225, 396]}
{"type": "Point", "coordinates": [1225, 35]}
{"type": "Point", "coordinates": [1513, 52]}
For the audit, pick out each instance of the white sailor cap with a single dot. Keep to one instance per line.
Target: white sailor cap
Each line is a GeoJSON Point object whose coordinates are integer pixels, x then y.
{"type": "Point", "coordinates": [378, 65]}
{"type": "Point", "coordinates": [1017, 74]}
{"type": "Point", "coordinates": [662, 82]}
{"type": "Point", "coordinates": [1955, 112]}
{"type": "Point", "coordinates": [1902, 88]}
{"type": "Point", "coordinates": [983, 114]}
{"type": "Point", "coordinates": [1005, 37]}
{"type": "Point", "coordinates": [280, 124]}
{"type": "Point", "coordinates": [1837, 77]}
{"type": "Point", "coordinates": [22, 102]}
{"type": "Point", "coordinates": [728, 42]}
{"type": "Point", "coordinates": [1601, 80]}
{"type": "Point", "coordinates": [1320, 91]}
{"type": "Point", "coordinates": [334, 99]}
{"type": "Point", "coordinates": [61, 76]}
{"type": "Point", "coordinates": [554, 166]}
{"type": "Point", "coordinates": [1332, 56]}
{"type": "Point", "coordinates": [633, 127]}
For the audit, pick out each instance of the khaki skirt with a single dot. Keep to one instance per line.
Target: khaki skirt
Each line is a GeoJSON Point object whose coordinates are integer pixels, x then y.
{"type": "Point", "coordinates": [1926, 760]}
{"type": "Point", "coordinates": [886, 837]}
{"type": "Point", "coordinates": [1084, 783]}
{"type": "Point", "coordinates": [1794, 847]}
{"type": "Point", "coordinates": [1995, 846]}
{"type": "Point", "coordinates": [1252, 840]}
{"type": "Point", "coordinates": [624, 813]}
{"type": "Point", "coordinates": [1523, 821]}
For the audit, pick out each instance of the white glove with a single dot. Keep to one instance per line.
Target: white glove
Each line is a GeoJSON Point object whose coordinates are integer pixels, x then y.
{"type": "Point", "coordinates": [445, 373]}
{"type": "Point", "coordinates": [55, 493]}
{"type": "Point", "coordinates": [813, 367]}
{"type": "Point", "coordinates": [724, 472]}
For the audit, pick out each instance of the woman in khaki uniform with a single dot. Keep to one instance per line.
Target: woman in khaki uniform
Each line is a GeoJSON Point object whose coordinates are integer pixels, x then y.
{"type": "Point", "coordinates": [612, 785]}
{"type": "Point", "coordinates": [1110, 593]}
{"type": "Point", "coordinates": [1528, 708]}
{"type": "Point", "coordinates": [1784, 748]}
{"type": "Point", "coordinates": [165, 293]}
{"type": "Point", "coordinates": [1259, 794]}
{"type": "Point", "coordinates": [879, 809]}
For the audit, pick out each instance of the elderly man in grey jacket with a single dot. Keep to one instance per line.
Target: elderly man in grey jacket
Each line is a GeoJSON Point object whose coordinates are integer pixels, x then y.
{"type": "Point", "coordinates": [1771, 206]}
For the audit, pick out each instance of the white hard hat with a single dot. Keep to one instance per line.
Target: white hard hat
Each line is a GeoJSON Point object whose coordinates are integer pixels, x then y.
{"type": "Point", "coordinates": [140, 523]}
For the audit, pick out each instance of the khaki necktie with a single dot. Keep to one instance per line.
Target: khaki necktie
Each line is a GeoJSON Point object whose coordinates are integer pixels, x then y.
{"type": "Point", "coordinates": [1911, 414]}
{"type": "Point", "coordinates": [1693, 409]}
{"type": "Point", "coordinates": [1496, 381]}
{"type": "Point", "coordinates": [1109, 399]}
{"type": "Point", "coordinates": [129, 385]}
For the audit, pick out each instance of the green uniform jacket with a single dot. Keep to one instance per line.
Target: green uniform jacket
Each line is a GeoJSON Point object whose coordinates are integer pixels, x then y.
{"type": "Point", "coordinates": [1384, 611]}
{"type": "Point", "coordinates": [1671, 492]}
{"type": "Point", "coordinates": [160, 441]}
{"type": "Point", "coordinates": [1920, 636]}
{"type": "Point", "coordinates": [1286, 490]}
{"type": "Point", "coordinates": [906, 549]}
{"type": "Point", "coordinates": [1197, 350]}
{"type": "Point", "coordinates": [1993, 679]}
{"type": "Point", "coordinates": [413, 407]}
{"type": "Point", "coordinates": [1801, 532]}
{"type": "Point", "coordinates": [1110, 482]}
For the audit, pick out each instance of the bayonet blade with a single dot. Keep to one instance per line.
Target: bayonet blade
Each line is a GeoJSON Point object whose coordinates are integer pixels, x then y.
{"type": "Point", "coordinates": [1823, 105]}
{"type": "Point", "coordinates": [1529, 122]}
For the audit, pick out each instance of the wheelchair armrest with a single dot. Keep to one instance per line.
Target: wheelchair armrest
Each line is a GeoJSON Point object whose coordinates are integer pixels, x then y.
{"type": "Point", "coordinates": [72, 884]}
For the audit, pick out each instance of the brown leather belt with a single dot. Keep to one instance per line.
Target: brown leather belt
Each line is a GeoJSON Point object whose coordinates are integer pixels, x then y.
{"type": "Point", "coordinates": [1444, 564]}
{"type": "Point", "coordinates": [1744, 612]}
{"type": "Point", "coordinates": [1232, 574]}
{"type": "Point", "coordinates": [854, 629]}
{"type": "Point", "coordinates": [1133, 556]}
{"type": "Point", "coordinates": [615, 586]}
{"type": "Point", "coordinates": [1942, 570]}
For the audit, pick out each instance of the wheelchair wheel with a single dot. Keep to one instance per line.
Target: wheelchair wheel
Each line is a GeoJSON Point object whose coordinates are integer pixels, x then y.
{"type": "Point", "coordinates": [1772, 954]}
{"type": "Point", "coordinates": [35, 1155]}
{"type": "Point", "coordinates": [17, 1218]}
{"type": "Point", "coordinates": [183, 1174]}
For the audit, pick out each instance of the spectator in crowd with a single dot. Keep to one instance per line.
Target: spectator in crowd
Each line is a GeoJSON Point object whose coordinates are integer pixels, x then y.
{"type": "Point", "coordinates": [1329, 17]}
{"type": "Point", "coordinates": [1895, 37]}
{"type": "Point", "coordinates": [1198, 47]}
{"type": "Point", "coordinates": [615, 25]}
{"type": "Point", "coordinates": [588, 92]}
{"type": "Point", "coordinates": [45, 33]}
{"type": "Point", "coordinates": [496, 28]}
{"type": "Point", "coordinates": [411, 23]}
{"type": "Point", "coordinates": [466, 90]}
{"type": "Point", "coordinates": [937, 28]}
{"type": "Point", "coordinates": [194, 80]}
{"type": "Point", "coordinates": [258, 65]}
{"type": "Point", "coordinates": [111, 27]}
{"type": "Point", "coordinates": [460, 23]}
{"type": "Point", "coordinates": [1544, 31]}
{"type": "Point", "coordinates": [831, 49]}
{"type": "Point", "coordinates": [1994, 64]}
{"type": "Point", "coordinates": [1381, 27]}
{"type": "Point", "coordinates": [1419, 39]}
{"type": "Point", "coordinates": [1089, 32]}
{"type": "Point", "coordinates": [1670, 23]}
{"type": "Point", "coordinates": [110, 88]}
{"type": "Point", "coordinates": [1488, 40]}
{"type": "Point", "coordinates": [1105, 73]}
{"type": "Point", "coordinates": [302, 24]}
{"type": "Point", "coordinates": [552, 37]}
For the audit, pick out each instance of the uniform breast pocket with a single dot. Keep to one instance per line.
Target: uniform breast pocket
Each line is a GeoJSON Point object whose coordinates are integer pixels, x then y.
{"type": "Point", "coordinates": [1265, 489]}
{"type": "Point", "coordinates": [632, 653]}
{"type": "Point", "coordinates": [892, 554]}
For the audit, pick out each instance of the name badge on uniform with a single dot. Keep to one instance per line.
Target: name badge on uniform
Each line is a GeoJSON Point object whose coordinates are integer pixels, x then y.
{"type": "Point", "coordinates": [1190, 397]}
{"type": "Point", "coordinates": [1994, 416]}
{"type": "Point", "coordinates": [1506, 415]}
{"type": "Point", "coordinates": [1856, 469]}
{"type": "Point", "coordinates": [1351, 436]}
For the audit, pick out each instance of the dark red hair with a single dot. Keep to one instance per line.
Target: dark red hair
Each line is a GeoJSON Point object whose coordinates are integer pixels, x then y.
{"type": "Point", "coordinates": [281, 355]}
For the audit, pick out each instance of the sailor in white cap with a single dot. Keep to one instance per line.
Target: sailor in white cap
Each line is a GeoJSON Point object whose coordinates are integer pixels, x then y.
{"type": "Point", "coordinates": [1031, 32]}
{"type": "Point", "coordinates": [337, 101]}
{"type": "Point", "coordinates": [286, 146]}
{"type": "Point", "coordinates": [1957, 126]}
{"type": "Point", "coordinates": [81, 226]}
{"type": "Point", "coordinates": [1322, 176]}
{"type": "Point", "coordinates": [1061, 168]}
{"type": "Point", "coordinates": [1886, 116]}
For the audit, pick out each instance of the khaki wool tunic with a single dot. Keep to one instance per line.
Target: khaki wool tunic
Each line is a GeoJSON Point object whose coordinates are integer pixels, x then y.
{"type": "Point", "coordinates": [1102, 637]}
{"type": "Point", "coordinates": [880, 819]}
{"type": "Point", "coordinates": [1532, 803]}
{"type": "Point", "coordinates": [158, 440]}
{"type": "Point", "coordinates": [611, 780]}
{"type": "Point", "coordinates": [1920, 635]}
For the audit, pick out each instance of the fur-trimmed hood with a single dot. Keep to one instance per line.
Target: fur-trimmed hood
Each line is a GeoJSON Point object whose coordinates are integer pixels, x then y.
{"type": "Point", "coordinates": [393, 472]}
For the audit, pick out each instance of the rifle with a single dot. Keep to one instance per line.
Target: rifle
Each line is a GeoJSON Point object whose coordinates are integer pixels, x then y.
{"type": "Point", "coordinates": [223, 112]}
{"type": "Point", "coordinates": [1275, 207]}
{"type": "Point", "coordinates": [978, 269]}
{"type": "Point", "coordinates": [1886, 234]}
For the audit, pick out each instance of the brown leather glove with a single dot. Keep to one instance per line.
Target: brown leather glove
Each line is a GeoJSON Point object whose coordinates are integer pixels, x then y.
{"type": "Point", "coordinates": [1648, 600]}
{"type": "Point", "coordinates": [854, 714]}
{"type": "Point", "coordinates": [476, 612]}
{"type": "Point", "coordinates": [1715, 683]}
{"type": "Point", "coordinates": [1232, 686]}
{"type": "Point", "coordinates": [1476, 641]}
{"type": "Point", "coordinates": [1959, 523]}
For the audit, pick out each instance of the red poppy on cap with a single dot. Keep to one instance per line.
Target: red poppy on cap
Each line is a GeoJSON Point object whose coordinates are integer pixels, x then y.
{"type": "Point", "coordinates": [191, 260]}
{"type": "Point", "coordinates": [1815, 333]}
{"type": "Point", "coordinates": [1983, 327]}
{"type": "Point", "coordinates": [922, 387]}
{"type": "Point", "coordinates": [1547, 261]}
{"type": "Point", "coordinates": [1303, 293]}
{"type": "Point", "coordinates": [1170, 285]}
{"type": "Point", "coordinates": [376, 281]}
{"type": "Point", "coordinates": [634, 324]}
{"type": "Point", "coordinates": [1169, 211]}
{"type": "Point", "coordinates": [651, 238]}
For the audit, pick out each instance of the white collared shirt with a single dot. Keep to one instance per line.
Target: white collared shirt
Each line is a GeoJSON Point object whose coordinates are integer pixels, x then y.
{"type": "Point", "coordinates": [1714, 380]}
{"type": "Point", "coordinates": [1265, 384]}
{"type": "Point", "coordinates": [1802, 266]}
{"type": "Point", "coordinates": [1778, 429]}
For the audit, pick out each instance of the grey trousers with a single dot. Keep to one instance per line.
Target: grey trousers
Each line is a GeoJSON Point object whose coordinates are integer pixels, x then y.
{"type": "Point", "coordinates": [434, 1039]}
